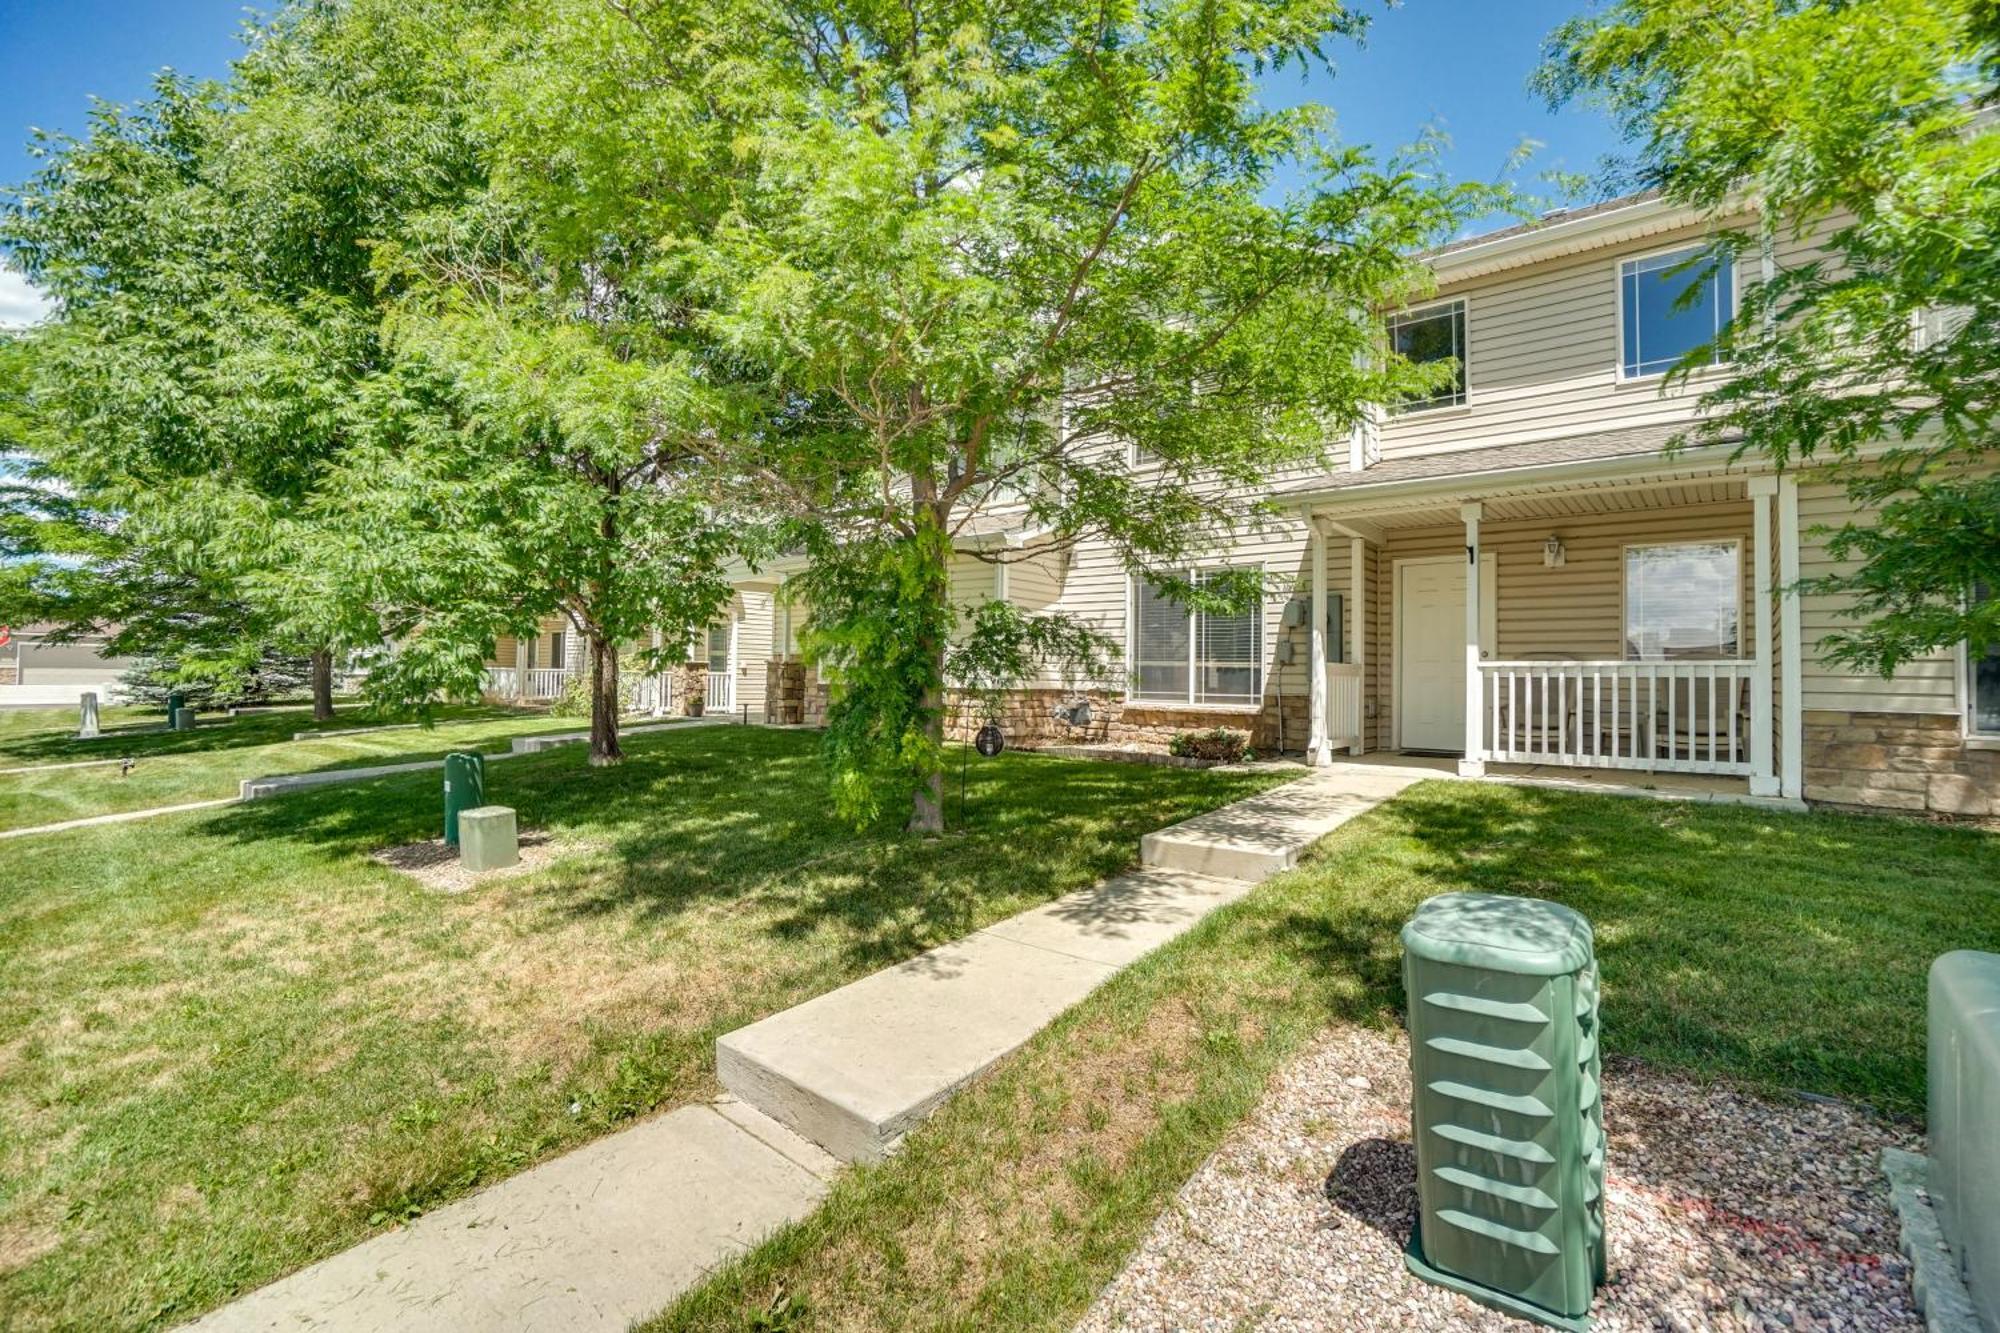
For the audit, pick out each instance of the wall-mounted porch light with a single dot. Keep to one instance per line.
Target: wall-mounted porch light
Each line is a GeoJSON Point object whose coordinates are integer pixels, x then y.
{"type": "Point", "coordinates": [1553, 554]}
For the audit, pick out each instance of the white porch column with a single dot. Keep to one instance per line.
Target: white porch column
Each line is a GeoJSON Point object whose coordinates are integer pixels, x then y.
{"type": "Point", "coordinates": [1763, 768]}
{"type": "Point", "coordinates": [1319, 750]}
{"type": "Point", "coordinates": [659, 677]}
{"type": "Point", "coordinates": [1791, 647]}
{"type": "Point", "coordinates": [1357, 637]}
{"type": "Point", "coordinates": [1473, 765]}
{"type": "Point", "coordinates": [522, 650]}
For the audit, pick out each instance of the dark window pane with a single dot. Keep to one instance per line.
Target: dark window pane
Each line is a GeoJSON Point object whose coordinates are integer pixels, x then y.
{"type": "Point", "coordinates": [1659, 326]}
{"type": "Point", "coordinates": [1433, 335]}
{"type": "Point", "coordinates": [1986, 682]}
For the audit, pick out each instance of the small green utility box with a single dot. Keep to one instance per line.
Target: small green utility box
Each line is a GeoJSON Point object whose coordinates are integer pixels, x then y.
{"type": "Point", "coordinates": [1508, 1123]}
{"type": "Point", "coordinates": [464, 789]}
{"type": "Point", "coordinates": [182, 719]}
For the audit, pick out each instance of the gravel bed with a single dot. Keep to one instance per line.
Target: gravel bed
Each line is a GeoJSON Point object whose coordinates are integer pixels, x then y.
{"type": "Point", "coordinates": [435, 865]}
{"type": "Point", "coordinates": [1724, 1211]}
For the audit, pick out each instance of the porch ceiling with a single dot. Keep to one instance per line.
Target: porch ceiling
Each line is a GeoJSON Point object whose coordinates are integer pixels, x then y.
{"type": "Point", "coordinates": [1543, 502]}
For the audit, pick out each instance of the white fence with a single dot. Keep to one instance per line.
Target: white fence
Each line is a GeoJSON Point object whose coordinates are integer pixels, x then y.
{"type": "Point", "coordinates": [1685, 717]}
{"type": "Point", "coordinates": [721, 695]}
{"type": "Point", "coordinates": [1343, 703]}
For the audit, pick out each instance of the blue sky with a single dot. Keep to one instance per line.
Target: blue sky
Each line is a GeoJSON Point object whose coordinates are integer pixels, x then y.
{"type": "Point", "coordinates": [1461, 64]}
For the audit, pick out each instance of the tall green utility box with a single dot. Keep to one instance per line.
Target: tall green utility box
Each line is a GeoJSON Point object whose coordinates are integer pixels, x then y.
{"type": "Point", "coordinates": [1506, 1114]}
{"type": "Point", "coordinates": [464, 789]}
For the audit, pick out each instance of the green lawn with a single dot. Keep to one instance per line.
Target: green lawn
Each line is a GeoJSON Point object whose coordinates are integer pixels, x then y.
{"type": "Point", "coordinates": [1780, 951]}
{"type": "Point", "coordinates": [208, 763]}
{"type": "Point", "coordinates": [231, 1044]}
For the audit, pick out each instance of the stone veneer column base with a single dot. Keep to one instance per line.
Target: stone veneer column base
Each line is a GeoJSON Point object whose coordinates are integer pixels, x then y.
{"type": "Point", "coordinates": [1917, 762]}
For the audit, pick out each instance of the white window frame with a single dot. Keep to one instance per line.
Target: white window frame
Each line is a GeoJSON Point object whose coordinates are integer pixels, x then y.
{"type": "Point", "coordinates": [1625, 595]}
{"type": "Point", "coordinates": [1969, 706]}
{"type": "Point", "coordinates": [1428, 310]}
{"type": "Point", "coordinates": [1618, 287]}
{"type": "Point", "coordinates": [1191, 701]}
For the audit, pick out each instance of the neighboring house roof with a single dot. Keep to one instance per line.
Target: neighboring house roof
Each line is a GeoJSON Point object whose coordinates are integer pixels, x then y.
{"type": "Point", "coordinates": [1548, 220]}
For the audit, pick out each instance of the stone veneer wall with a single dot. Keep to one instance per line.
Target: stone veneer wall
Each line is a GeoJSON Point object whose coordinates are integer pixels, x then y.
{"type": "Point", "coordinates": [1027, 718]}
{"type": "Point", "coordinates": [690, 685]}
{"type": "Point", "coordinates": [785, 692]}
{"type": "Point", "coordinates": [1899, 761]}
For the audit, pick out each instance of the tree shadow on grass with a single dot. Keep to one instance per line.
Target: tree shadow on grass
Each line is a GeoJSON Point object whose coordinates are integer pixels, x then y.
{"type": "Point", "coordinates": [1786, 950]}
{"type": "Point", "coordinates": [739, 818]}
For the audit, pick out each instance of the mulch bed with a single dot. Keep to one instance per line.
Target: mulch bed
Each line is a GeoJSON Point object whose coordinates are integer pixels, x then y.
{"type": "Point", "coordinates": [1723, 1211]}
{"type": "Point", "coordinates": [435, 865]}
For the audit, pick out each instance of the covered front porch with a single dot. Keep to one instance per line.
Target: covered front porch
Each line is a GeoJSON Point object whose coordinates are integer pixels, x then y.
{"type": "Point", "coordinates": [1612, 618]}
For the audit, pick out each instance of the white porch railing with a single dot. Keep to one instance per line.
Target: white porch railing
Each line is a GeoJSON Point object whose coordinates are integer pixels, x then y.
{"type": "Point", "coordinates": [1679, 717]}
{"type": "Point", "coordinates": [721, 695]}
{"type": "Point", "coordinates": [1343, 703]}
{"type": "Point", "coordinates": [546, 682]}
{"type": "Point", "coordinates": [500, 681]}
{"type": "Point", "coordinates": [649, 694]}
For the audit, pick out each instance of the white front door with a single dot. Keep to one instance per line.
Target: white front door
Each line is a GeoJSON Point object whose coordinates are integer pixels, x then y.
{"type": "Point", "coordinates": [1430, 649]}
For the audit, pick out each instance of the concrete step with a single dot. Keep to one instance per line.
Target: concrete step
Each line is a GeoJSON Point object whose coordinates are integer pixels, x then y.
{"type": "Point", "coordinates": [856, 1069]}
{"type": "Point", "coordinates": [1257, 838]}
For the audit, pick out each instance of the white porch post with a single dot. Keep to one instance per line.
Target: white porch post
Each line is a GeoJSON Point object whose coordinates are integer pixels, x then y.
{"type": "Point", "coordinates": [1319, 749]}
{"type": "Point", "coordinates": [1357, 637]}
{"type": "Point", "coordinates": [1791, 662]}
{"type": "Point", "coordinates": [659, 677]}
{"type": "Point", "coordinates": [521, 659]}
{"type": "Point", "coordinates": [1763, 769]}
{"type": "Point", "coordinates": [1474, 763]}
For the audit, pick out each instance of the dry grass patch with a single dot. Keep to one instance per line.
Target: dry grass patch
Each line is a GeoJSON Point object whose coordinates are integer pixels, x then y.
{"type": "Point", "coordinates": [434, 863]}
{"type": "Point", "coordinates": [251, 1006]}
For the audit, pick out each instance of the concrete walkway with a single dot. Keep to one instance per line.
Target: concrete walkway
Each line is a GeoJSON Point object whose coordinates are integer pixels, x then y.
{"type": "Point", "coordinates": [122, 817]}
{"type": "Point", "coordinates": [616, 1230]}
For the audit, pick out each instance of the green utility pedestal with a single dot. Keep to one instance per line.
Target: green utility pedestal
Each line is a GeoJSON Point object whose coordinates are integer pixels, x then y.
{"type": "Point", "coordinates": [464, 789]}
{"type": "Point", "coordinates": [488, 839]}
{"type": "Point", "coordinates": [1509, 1127]}
{"type": "Point", "coordinates": [183, 719]}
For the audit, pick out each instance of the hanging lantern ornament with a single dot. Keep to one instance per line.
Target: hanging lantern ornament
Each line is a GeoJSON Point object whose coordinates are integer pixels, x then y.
{"type": "Point", "coordinates": [989, 741]}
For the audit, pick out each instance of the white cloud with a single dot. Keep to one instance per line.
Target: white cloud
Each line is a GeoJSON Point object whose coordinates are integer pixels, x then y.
{"type": "Point", "coordinates": [20, 303]}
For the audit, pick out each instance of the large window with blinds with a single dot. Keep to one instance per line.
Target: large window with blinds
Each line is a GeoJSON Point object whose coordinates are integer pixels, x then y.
{"type": "Point", "coordinates": [1682, 600]}
{"type": "Point", "coordinates": [1184, 656]}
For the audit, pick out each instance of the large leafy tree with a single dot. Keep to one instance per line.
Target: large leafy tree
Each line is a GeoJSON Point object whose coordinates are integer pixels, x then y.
{"type": "Point", "coordinates": [210, 253]}
{"type": "Point", "coordinates": [981, 255]}
{"type": "Point", "coordinates": [1878, 365]}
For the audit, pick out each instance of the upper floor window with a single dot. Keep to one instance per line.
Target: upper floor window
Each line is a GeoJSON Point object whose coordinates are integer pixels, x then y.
{"type": "Point", "coordinates": [1671, 304]}
{"type": "Point", "coordinates": [1432, 333]}
{"type": "Point", "coordinates": [1682, 601]}
{"type": "Point", "coordinates": [1184, 656]}
{"type": "Point", "coordinates": [1983, 681]}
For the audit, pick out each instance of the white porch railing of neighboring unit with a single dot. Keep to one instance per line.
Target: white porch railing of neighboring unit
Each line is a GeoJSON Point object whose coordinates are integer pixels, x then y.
{"type": "Point", "coordinates": [1675, 717]}
{"type": "Point", "coordinates": [1343, 703]}
{"type": "Point", "coordinates": [546, 682]}
{"type": "Point", "coordinates": [500, 681]}
{"type": "Point", "coordinates": [721, 696]}
{"type": "Point", "coordinates": [649, 694]}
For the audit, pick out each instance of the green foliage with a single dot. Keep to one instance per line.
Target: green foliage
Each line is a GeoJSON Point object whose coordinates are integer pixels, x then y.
{"type": "Point", "coordinates": [1217, 743]}
{"type": "Point", "coordinates": [207, 684]}
{"type": "Point", "coordinates": [880, 620]}
{"type": "Point", "coordinates": [1002, 649]}
{"type": "Point", "coordinates": [1878, 365]}
{"type": "Point", "coordinates": [977, 256]}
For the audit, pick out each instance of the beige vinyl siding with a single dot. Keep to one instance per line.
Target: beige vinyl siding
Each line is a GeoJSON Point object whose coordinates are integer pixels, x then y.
{"type": "Point", "coordinates": [1036, 582]}
{"type": "Point", "coordinates": [1542, 357]}
{"type": "Point", "coordinates": [1577, 610]}
{"type": "Point", "coordinates": [1097, 592]}
{"type": "Point", "coordinates": [756, 628]}
{"type": "Point", "coordinates": [1927, 685]}
{"type": "Point", "coordinates": [504, 647]}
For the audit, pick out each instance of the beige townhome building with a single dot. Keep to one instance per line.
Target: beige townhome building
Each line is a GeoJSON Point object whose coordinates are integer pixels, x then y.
{"type": "Point", "coordinates": [1513, 573]}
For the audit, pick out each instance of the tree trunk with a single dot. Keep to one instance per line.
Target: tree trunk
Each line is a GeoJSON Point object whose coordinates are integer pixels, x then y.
{"type": "Point", "coordinates": [927, 804]}
{"type": "Point", "coordinates": [604, 703]}
{"type": "Point", "coordinates": [934, 553]}
{"type": "Point", "coordinates": [322, 685]}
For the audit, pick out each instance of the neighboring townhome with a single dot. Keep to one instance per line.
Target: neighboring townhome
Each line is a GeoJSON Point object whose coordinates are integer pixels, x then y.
{"type": "Point", "coordinates": [1516, 573]}
{"type": "Point", "coordinates": [34, 671]}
